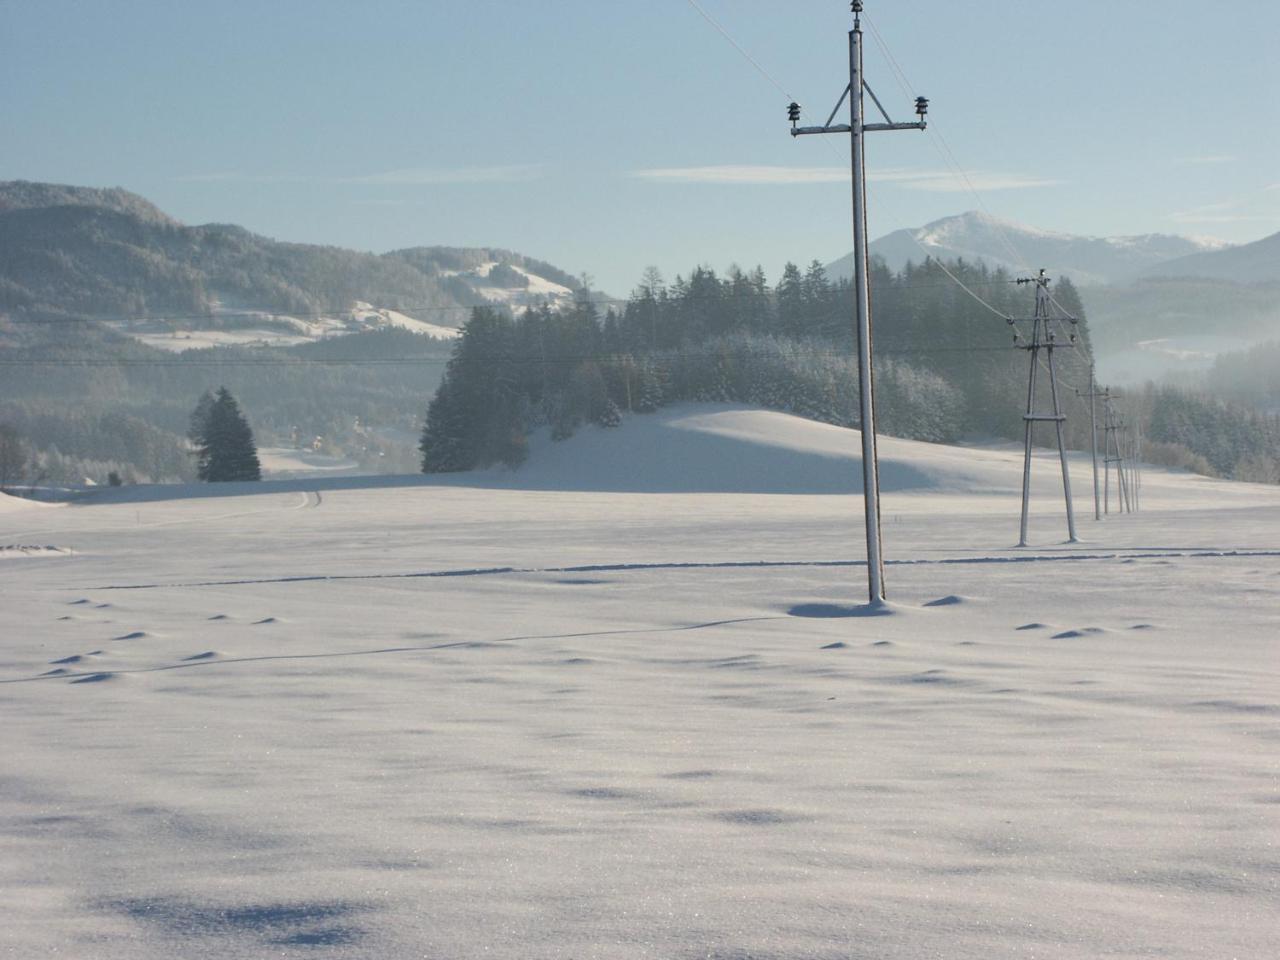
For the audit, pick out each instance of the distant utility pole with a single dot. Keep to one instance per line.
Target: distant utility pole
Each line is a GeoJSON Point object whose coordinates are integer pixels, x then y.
{"type": "Point", "coordinates": [1112, 454]}
{"type": "Point", "coordinates": [856, 128]}
{"type": "Point", "coordinates": [1043, 338]}
{"type": "Point", "coordinates": [1137, 466]}
{"type": "Point", "coordinates": [1093, 395]}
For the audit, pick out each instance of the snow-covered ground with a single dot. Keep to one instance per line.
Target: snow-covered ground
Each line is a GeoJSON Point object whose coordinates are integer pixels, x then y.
{"type": "Point", "coordinates": [291, 462]}
{"type": "Point", "coordinates": [558, 714]}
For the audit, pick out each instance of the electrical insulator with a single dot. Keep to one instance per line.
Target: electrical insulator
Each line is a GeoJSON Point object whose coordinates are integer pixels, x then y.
{"type": "Point", "coordinates": [793, 112]}
{"type": "Point", "coordinates": [856, 6]}
{"type": "Point", "coordinates": [922, 106]}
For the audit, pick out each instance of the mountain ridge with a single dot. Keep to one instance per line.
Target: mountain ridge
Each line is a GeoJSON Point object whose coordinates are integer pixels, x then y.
{"type": "Point", "coordinates": [111, 254]}
{"type": "Point", "coordinates": [1004, 244]}
{"type": "Point", "coordinates": [1256, 262]}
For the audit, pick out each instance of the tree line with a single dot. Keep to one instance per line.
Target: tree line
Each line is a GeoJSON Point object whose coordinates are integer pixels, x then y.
{"type": "Point", "coordinates": [944, 364]}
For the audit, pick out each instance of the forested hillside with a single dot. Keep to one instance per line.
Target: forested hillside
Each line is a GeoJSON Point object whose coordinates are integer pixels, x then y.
{"type": "Point", "coordinates": [90, 401]}
{"type": "Point", "coordinates": [109, 254]}
{"type": "Point", "coordinates": [946, 364]}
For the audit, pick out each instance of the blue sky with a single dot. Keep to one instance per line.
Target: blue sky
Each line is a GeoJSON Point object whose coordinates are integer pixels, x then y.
{"type": "Point", "coordinates": [608, 136]}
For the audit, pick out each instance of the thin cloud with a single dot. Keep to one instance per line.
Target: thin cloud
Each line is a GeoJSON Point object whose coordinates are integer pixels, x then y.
{"type": "Point", "coordinates": [1228, 211]}
{"type": "Point", "coordinates": [743, 174]}
{"type": "Point", "coordinates": [517, 173]}
{"type": "Point", "coordinates": [225, 176]}
{"type": "Point", "coordinates": [911, 179]}
{"type": "Point", "coordinates": [413, 176]}
{"type": "Point", "coordinates": [1207, 160]}
{"type": "Point", "coordinates": [951, 183]}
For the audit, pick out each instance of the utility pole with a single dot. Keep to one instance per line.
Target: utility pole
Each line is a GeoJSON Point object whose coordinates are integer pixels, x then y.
{"type": "Point", "coordinates": [856, 128]}
{"type": "Point", "coordinates": [1093, 395]}
{"type": "Point", "coordinates": [1137, 465]}
{"type": "Point", "coordinates": [1111, 429]}
{"type": "Point", "coordinates": [1043, 338]}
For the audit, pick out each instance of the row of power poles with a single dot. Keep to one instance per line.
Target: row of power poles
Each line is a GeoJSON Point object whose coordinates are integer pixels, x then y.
{"type": "Point", "coordinates": [1121, 454]}
{"type": "Point", "coordinates": [1118, 447]}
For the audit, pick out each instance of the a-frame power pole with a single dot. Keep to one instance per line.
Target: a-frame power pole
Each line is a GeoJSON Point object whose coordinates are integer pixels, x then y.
{"type": "Point", "coordinates": [1043, 338]}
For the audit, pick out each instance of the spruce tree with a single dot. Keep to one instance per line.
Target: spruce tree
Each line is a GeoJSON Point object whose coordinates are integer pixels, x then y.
{"type": "Point", "coordinates": [225, 448]}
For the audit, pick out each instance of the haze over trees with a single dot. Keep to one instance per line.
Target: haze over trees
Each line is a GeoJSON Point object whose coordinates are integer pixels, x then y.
{"type": "Point", "coordinates": [88, 400]}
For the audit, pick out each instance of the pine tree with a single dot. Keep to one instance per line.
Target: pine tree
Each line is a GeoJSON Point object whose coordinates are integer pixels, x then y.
{"type": "Point", "coordinates": [199, 418]}
{"type": "Point", "coordinates": [226, 451]}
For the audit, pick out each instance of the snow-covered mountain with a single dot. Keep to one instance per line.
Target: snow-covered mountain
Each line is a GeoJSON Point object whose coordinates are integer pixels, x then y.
{"type": "Point", "coordinates": [1001, 243]}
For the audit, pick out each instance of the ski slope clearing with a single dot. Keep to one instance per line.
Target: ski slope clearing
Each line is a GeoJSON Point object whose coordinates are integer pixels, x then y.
{"type": "Point", "coordinates": [485, 716]}
{"type": "Point", "coordinates": [287, 462]}
{"type": "Point", "coordinates": [276, 329]}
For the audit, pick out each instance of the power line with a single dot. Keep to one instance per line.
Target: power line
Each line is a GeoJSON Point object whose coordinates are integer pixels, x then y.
{"type": "Point", "coordinates": [668, 302]}
{"type": "Point", "coordinates": [741, 49]}
{"type": "Point", "coordinates": [949, 157]}
{"type": "Point", "coordinates": [444, 361]}
{"type": "Point", "coordinates": [945, 151]}
{"type": "Point", "coordinates": [725, 33]}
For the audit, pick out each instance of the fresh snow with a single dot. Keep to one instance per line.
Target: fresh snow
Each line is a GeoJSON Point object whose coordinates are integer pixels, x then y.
{"type": "Point", "coordinates": [602, 707]}
{"type": "Point", "coordinates": [287, 462]}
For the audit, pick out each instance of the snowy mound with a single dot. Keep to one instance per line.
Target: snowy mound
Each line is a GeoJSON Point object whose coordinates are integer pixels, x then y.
{"type": "Point", "coordinates": [12, 504]}
{"type": "Point", "coordinates": [718, 448]}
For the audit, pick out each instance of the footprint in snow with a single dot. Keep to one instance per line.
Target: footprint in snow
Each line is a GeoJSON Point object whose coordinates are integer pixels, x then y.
{"type": "Point", "coordinates": [76, 657]}
{"type": "Point", "coordinates": [95, 678]}
{"type": "Point", "coordinates": [883, 643]}
{"type": "Point", "coordinates": [76, 603]}
{"type": "Point", "coordinates": [135, 635]}
{"type": "Point", "coordinates": [1143, 626]}
{"type": "Point", "coordinates": [755, 818]}
{"type": "Point", "coordinates": [218, 616]}
{"type": "Point", "coordinates": [838, 645]}
{"type": "Point", "coordinates": [264, 620]}
{"type": "Point", "coordinates": [207, 655]}
{"type": "Point", "coordinates": [1033, 626]}
{"type": "Point", "coordinates": [950, 600]}
{"type": "Point", "coordinates": [1074, 634]}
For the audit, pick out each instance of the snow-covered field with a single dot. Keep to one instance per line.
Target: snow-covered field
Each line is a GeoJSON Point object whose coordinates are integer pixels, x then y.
{"type": "Point", "coordinates": [282, 463]}
{"type": "Point", "coordinates": [551, 715]}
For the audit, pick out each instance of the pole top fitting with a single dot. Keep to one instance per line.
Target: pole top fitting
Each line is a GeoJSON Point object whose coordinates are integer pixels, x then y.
{"type": "Point", "coordinates": [856, 6]}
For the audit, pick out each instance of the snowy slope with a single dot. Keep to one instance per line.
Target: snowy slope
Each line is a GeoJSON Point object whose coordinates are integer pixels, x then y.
{"type": "Point", "coordinates": [265, 329]}
{"type": "Point", "coordinates": [403, 717]}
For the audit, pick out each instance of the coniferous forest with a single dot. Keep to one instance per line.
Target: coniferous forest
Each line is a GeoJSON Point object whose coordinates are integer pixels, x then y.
{"type": "Point", "coordinates": [946, 367]}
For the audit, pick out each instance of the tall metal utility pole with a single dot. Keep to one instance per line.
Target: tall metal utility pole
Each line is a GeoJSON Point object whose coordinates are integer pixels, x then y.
{"type": "Point", "coordinates": [856, 128]}
{"type": "Point", "coordinates": [1043, 338]}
